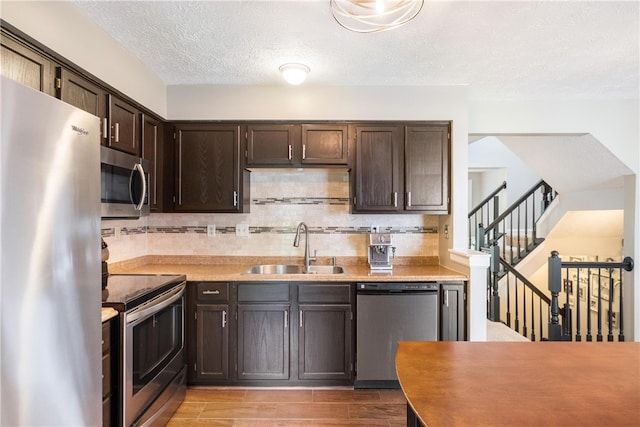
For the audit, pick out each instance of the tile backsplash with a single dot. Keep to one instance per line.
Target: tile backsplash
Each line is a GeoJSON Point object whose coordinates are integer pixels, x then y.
{"type": "Point", "coordinates": [280, 199]}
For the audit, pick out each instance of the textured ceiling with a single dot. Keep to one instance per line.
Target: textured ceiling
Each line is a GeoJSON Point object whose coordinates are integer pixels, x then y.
{"type": "Point", "coordinates": [501, 49]}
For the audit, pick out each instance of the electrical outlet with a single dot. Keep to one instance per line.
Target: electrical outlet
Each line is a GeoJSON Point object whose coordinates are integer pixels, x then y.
{"type": "Point", "coordinates": [211, 230]}
{"type": "Point", "coordinates": [242, 230]}
{"type": "Point", "coordinates": [116, 231]}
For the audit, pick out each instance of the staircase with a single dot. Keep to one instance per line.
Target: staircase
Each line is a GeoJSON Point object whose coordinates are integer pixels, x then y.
{"type": "Point", "coordinates": [580, 296]}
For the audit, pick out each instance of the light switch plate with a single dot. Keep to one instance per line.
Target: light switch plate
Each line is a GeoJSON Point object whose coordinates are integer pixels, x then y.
{"type": "Point", "coordinates": [211, 230]}
{"type": "Point", "coordinates": [242, 230]}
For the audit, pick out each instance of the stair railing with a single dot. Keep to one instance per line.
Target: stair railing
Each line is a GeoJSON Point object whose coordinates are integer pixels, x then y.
{"type": "Point", "coordinates": [515, 222]}
{"type": "Point", "coordinates": [486, 211]}
{"type": "Point", "coordinates": [595, 289]}
{"type": "Point", "coordinates": [525, 304]}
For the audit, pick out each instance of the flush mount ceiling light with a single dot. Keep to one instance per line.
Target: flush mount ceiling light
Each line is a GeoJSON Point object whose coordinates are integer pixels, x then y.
{"type": "Point", "coordinates": [372, 16]}
{"type": "Point", "coordinates": [294, 74]}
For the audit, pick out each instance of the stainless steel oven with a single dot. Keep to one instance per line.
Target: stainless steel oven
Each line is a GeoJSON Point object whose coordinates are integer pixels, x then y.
{"type": "Point", "coordinates": [153, 358]}
{"type": "Point", "coordinates": [123, 185]}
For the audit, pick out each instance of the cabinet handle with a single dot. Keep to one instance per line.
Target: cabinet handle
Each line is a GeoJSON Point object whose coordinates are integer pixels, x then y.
{"type": "Point", "coordinates": [395, 199]}
{"type": "Point", "coordinates": [208, 292]}
{"type": "Point", "coordinates": [104, 127]}
{"type": "Point", "coordinates": [304, 151]}
{"type": "Point", "coordinates": [286, 319]}
{"type": "Point", "coordinates": [446, 299]}
{"type": "Point", "coordinates": [301, 318]}
{"type": "Point", "coordinates": [290, 152]}
{"type": "Point", "coordinates": [224, 318]}
{"type": "Point", "coordinates": [235, 199]}
{"type": "Point", "coordinates": [117, 132]}
{"type": "Point", "coordinates": [408, 198]}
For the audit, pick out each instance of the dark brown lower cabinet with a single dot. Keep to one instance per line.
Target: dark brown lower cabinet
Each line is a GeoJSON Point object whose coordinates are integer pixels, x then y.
{"type": "Point", "coordinates": [270, 333]}
{"type": "Point", "coordinates": [452, 314]}
{"type": "Point", "coordinates": [213, 343]}
{"type": "Point", "coordinates": [263, 341]}
{"type": "Point", "coordinates": [325, 332]}
{"type": "Point", "coordinates": [107, 360]}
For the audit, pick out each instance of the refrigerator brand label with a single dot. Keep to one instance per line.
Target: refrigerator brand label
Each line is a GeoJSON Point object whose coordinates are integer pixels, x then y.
{"type": "Point", "coordinates": [79, 130]}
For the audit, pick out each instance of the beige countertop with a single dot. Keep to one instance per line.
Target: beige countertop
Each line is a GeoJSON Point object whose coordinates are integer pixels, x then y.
{"type": "Point", "coordinates": [232, 269]}
{"type": "Point", "coordinates": [108, 313]}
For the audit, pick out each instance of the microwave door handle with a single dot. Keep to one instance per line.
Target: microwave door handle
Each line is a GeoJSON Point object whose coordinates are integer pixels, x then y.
{"type": "Point", "coordinates": [138, 168]}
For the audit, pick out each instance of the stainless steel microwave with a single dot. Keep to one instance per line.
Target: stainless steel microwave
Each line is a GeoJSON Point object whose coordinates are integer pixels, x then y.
{"type": "Point", "coordinates": [123, 185]}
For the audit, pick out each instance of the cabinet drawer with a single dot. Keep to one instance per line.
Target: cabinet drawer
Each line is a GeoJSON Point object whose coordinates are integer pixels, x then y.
{"type": "Point", "coordinates": [324, 293]}
{"type": "Point", "coordinates": [106, 375]}
{"type": "Point", "coordinates": [263, 292]}
{"type": "Point", "coordinates": [208, 291]}
{"type": "Point", "coordinates": [106, 337]}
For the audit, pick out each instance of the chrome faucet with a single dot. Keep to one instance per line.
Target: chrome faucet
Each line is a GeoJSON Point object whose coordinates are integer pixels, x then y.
{"type": "Point", "coordinates": [296, 242]}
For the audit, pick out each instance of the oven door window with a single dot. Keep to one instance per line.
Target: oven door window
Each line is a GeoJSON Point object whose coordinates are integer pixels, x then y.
{"type": "Point", "coordinates": [156, 341]}
{"type": "Point", "coordinates": [120, 185]}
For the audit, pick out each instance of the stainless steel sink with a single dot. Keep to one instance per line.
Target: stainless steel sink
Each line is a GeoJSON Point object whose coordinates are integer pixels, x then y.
{"type": "Point", "coordinates": [294, 269]}
{"type": "Point", "coordinates": [325, 269]}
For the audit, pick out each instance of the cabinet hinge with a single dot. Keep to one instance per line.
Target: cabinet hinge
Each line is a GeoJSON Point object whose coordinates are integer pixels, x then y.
{"type": "Point", "coordinates": [58, 83]}
{"type": "Point", "coordinates": [174, 199]}
{"type": "Point", "coordinates": [236, 315]}
{"type": "Point", "coordinates": [195, 367]}
{"type": "Point", "coordinates": [351, 314]}
{"type": "Point", "coordinates": [354, 200]}
{"type": "Point", "coordinates": [195, 315]}
{"type": "Point", "coordinates": [246, 154]}
{"type": "Point", "coordinates": [174, 136]}
{"type": "Point", "coordinates": [246, 135]}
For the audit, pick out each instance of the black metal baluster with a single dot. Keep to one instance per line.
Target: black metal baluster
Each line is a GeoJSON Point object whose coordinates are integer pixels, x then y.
{"type": "Point", "coordinates": [578, 335]}
{"type": "Point", "coordinates": [517, 328]}
{"type": "Point", "coordinates": [533, 318]}
{"type": "Point", "coordinates": [524, 311]}
{"type": "Point", "coordinates": [589, 336]}
{"type": "Point", "coordinates": [599, 336]}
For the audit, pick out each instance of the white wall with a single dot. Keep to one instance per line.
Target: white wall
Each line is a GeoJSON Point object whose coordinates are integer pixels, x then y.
{"type": "Point", "coordinates": [490, 152]}
{"type": "Point", "coordinates": [63, 28]}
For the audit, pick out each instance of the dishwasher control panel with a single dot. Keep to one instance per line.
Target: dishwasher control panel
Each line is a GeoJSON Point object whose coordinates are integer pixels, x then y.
{"type": "Point", "coordinates": [397, 287]}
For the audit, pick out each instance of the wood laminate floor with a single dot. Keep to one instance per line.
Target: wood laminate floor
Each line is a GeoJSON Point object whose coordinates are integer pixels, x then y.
{"type": "Point", "coordinates": [308, 407]}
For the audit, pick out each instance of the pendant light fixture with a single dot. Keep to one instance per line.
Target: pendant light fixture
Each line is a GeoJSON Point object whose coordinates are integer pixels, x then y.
{"type": "Point", "coordinates": [372, 16]}
{"type": "Point", "coordinates": [294, 74]}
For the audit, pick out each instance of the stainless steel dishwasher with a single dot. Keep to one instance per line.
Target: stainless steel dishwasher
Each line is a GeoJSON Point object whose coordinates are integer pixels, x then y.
{"type": "Point", "coordinates": [388, 313]}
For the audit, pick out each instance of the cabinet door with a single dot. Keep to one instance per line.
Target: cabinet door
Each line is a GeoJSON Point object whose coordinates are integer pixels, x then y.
{"type": "Point", "coordinates": [263, 341]}
{"type": "Point", "coordinates": [83, 94]}
{"type": "Point", "coordinates": [270, 144]}
{"type": "Point", "coordinates": [378, 179]}
{"type": "Point", "coordinates": [123, 126]}
{"type": "Point", "coordinates": [453, 312]}
{"type": "Point", "coordinates": [324, 342]}
{"type": "Point", "coordinates": [207, 169]}
{"type": "Point", "coordinates": [426, 160]}
{"type": "Point", "coordinates": [26, 66]}
{"type": "Point", "coordinates": [152, 138]}
{"type": "Point", "coordinates": [212, 345]}
{"type": "Point", "coordinates": [325, 144]}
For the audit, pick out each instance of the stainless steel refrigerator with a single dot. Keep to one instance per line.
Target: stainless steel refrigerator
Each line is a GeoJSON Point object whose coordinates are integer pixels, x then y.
{"type": "Point", "coordinates": [50, 272]}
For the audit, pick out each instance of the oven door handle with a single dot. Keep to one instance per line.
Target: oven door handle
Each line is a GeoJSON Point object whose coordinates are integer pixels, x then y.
{"type": "Point", "coordinates": [155, 305]}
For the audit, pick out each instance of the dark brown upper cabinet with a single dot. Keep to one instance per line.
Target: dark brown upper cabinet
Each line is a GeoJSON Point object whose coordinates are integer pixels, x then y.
{"type": "Point", "coordinates": [378, 180]}
{"type": "Point", "coordinates": [26, 65]}
{"type": "Point", "coordinates": [325, 144]}
{"type": "Point", "coordinates": [402, 168]}
{"type": "Point", "coordinates": [208, 174]}
{"type": "Point", "coordinates": [152, 134]}
{"type": "Point", "coordinates": [123, 126]}
{"type": "Point", "coordinates": [295, 145]}
{"type": "Point", "coordinates": [271, 144]}
{"type": "Point", "coordinates": [84, 94]}
{"type": "Point", "coordinates": [426, 168]}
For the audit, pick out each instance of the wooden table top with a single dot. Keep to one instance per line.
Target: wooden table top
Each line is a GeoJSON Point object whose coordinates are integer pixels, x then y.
{"type": "Point", "coordinates": [521, 383]}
